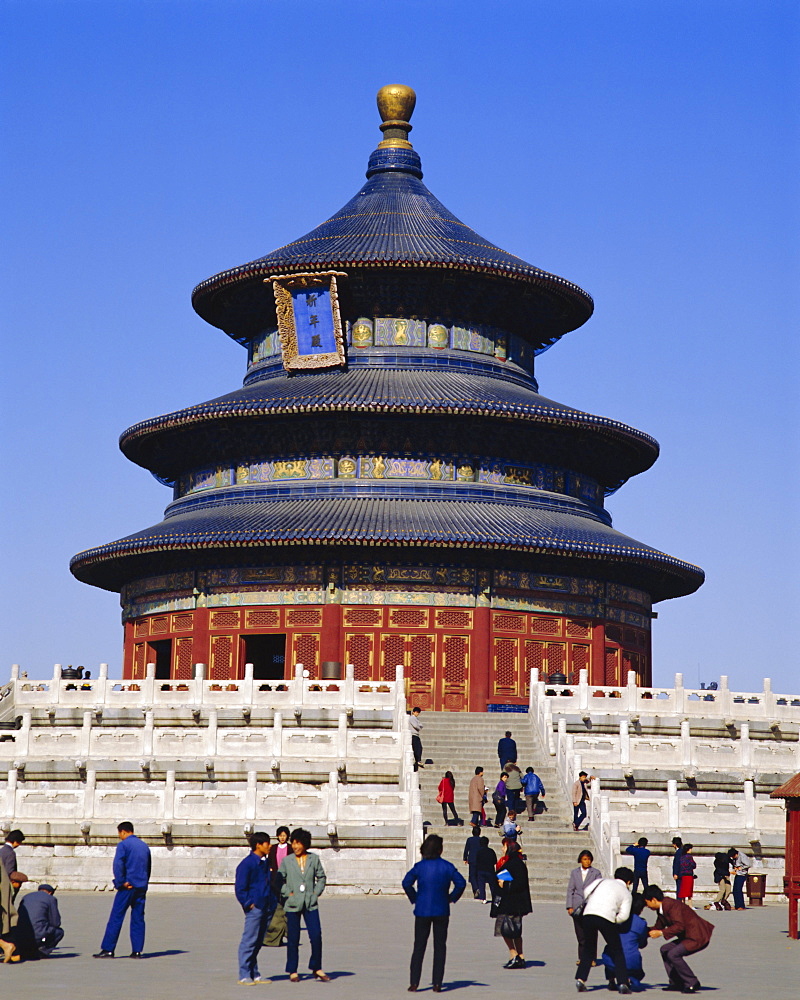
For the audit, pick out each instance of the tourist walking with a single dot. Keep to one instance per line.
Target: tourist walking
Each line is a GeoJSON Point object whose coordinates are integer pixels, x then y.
{"type": "Point", "coordinates": [686, 875]}
{"type": "Point", "coordinates": [131, 879]}
{"type": "Point", "coordinates": [415, 726]}
{"type": "Point", "coordinates": [428, 887]}
{"type": "Point", "coordinates": [580, 796]}
{"type": "Point", "coordinates": [278, 852]}
{"type": "Point", "coordinates": [506, 750]}
{"type": "Point", "coordinates": [40, 921]}
{"type": "Point", "coordinates": [640, 855]}
{"type": "Point", "coordinates": [580, 879]}
{"type": "Point", "coordinates": [722, 879]}
{"type": "Point", "coordinates": [513, 903]}
{"type": "Point", "coordinates": [499, 800]}
{"type": "Point", "coordinates": [477, 796]}
{"type": "Point", "coordinates": [691, 933]}
{"type": "Point", "coordinates": [513, 787]}
{"type": "Point", "coordinates": [607, 905]}
{"type": "Point", "coordinates": [485, 871]}
{"type": "Point", "coordinates": [511, 829]}
{"type": "Point", "coordinates": [741, 867]}
{"type": "Point", "coordinates": [302, 882]}
{"type": "Point", "coordinates": [253, 888]}
{"type": "Point", "coordinates": [533, 788]}
{"type": "Point", "coordinates": [471, 847]}
{"type": "Point", "coordinates": [446, 797]}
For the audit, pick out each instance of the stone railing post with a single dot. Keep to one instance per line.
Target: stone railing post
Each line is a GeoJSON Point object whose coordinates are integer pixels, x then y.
{"type": "Point", "coordinates": [277, 735]}
{"type": "Point", "coordinates": [533, 688]}
{"type": "Point", "coordinates": [631, 692]}
{"type": "Point", "coordinates": [55, 687]}
{"type": "Point", "coordinates": [211, 732]}
{"type": "Point", "coordinates": [747, 748]}
{"type": "Point", "coordinates": [769, 700]}
{"type": "Point", "coordinates": [11, 794]}
{"type": "Point", "coordinates": [14, 672]}
{"type": "Point", "coordinates": [624, 744]}
{"type": "Point", "coordinates": [399, 698]}
{"type": "Point", "coordinates": [583, 690]}
{"type": "Point", "coordinates": [149, 686]}
{"type": "Point", "coordinates": [298, 685]}
{"type": "Point", "coordinates": [686, 743]}
{"type": "Point", "coordinates": [149, 725]}
{"type": "Point", "coordinates": [349, 685]}
{"type": "Point", "coordinates": [86, 734]}
{"type": "Point", "coordinates": [724, 700]}
{"type": "Point", "coordinates": [169, 796]}
{"type": "Point", "coordinates": [247, 685]}
{"type": "Point", "coordinates": [750, 806]}
{"type": "Point", "coordinates": [22, 744]}
{"type": "Point", "coordinates": [679, 697]}
{"type": "Point", "coordinates": [333, 797]}
{"type": "Point", "coordinates": [673, 808]}
{"type": "Point", "coordinates": [341, 734]}
{"type": "Point", "coordinates": [90, 794]}
{"type": "Point", "coordinates": [251, 795]}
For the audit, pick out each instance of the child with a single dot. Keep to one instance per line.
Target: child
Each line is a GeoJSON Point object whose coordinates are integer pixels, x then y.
{"type": "Point", "coordinates": [633, 935]}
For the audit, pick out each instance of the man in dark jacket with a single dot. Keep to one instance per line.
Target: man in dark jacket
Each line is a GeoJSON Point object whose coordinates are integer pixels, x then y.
{"type": "Point", "coordinates": [255, 896]}
{"type": "Point", "coordinates": [691, 933]}
{"type": "Point", "coordinates": [40, 921]}
{"type": "Point", "coordinates": [8, 852]}
{"type": "Point", "coordinates": [506, 749]}
{"type": "Point", "coordinates": [131, 879]}
{"type": "Point", "coordinates": [471, 847]}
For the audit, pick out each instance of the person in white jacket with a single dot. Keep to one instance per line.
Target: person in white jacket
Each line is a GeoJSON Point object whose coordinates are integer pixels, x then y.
{"type": "Point", "coordinates": [608, 904]}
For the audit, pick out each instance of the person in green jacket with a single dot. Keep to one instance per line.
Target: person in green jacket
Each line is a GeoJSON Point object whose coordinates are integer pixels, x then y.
{"type": "Point", "coordinates": [302, 881]}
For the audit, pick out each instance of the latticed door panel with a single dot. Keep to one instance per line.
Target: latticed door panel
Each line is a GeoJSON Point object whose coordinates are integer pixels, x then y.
{"type": "Point", "coordinates": [305, 650]}
{"type": "Point", "coordinates": [139, 660]}
{"type": "Point", "coordinates": [221, 658]}
{"type": "Point", "coordinates": [182, 666]}
{"type": "Point", "coordinates": [505, 668]}
{"type": "Point", "coordinates": [455, 672]}
{"type": "Point", "coordinates": [420, 670]}
{"type": "Point", "coordinates": [358, 651]}
{"type": "Point", "coordinates": [612, 665]}
{"type": "Point", "coordinates": [393, 655]}
{"type": "Point", "coordinates": [579, 660]}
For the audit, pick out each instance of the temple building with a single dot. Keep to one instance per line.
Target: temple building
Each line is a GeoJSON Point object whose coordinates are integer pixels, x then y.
{"type": "Point", "coordinates": [388, 487]}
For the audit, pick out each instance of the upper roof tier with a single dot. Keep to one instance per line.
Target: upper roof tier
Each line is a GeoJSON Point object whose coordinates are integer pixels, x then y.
{"type": "Point", "coordinates": [395, 240]}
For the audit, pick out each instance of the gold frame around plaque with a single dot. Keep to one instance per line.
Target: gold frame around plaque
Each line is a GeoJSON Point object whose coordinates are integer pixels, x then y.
{"type": "Point", "coordinates": [282, 286]}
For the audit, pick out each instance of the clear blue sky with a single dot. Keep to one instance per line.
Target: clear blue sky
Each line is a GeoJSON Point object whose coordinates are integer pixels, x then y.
{"type": "Point", "coordinates": [645, 149]}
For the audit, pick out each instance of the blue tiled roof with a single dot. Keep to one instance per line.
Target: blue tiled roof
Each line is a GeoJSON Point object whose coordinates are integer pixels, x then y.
{"type": "Point", "coordinates": [395, 221]}
{"type": "Point", "coordinates": [396, 391]}
{"type": "Point", "coordinates": [385, 521]}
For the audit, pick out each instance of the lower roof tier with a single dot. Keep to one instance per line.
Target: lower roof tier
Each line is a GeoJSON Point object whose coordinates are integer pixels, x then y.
{"type": "Point", "coordinates": [587, 543]}
{"type": "Point", "coordinates": [164, 445]}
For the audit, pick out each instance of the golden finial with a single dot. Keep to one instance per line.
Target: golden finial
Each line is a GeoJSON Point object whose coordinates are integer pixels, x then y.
{"type": "Point", "coordinates": [396, 106]}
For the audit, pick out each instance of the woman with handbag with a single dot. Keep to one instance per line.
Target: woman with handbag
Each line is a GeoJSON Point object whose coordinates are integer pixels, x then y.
{"type": "Point", "coordinates": [686, 875]}
{"type": "Point", "coordinates": [579, 880]}
{"type": "Point", "coordinates": [511, 904]}
{"type": "Point", "coordinates": [499, 800]}
{"type": "Point", "coordinates": [446, 797]}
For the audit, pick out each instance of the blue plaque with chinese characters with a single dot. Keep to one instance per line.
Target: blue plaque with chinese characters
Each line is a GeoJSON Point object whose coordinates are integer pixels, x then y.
{"type": "Point", "coordinates": [313, 321]}
{"type": "Point", "coordinates": [309, 323]}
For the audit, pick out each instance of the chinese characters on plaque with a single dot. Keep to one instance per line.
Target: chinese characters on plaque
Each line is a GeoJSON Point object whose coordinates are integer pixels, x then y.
{"type": "Point", "coordinates": [309, 323]}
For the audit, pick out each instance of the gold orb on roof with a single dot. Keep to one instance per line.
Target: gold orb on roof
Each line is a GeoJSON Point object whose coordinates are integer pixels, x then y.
{"type": "Point", "coordinates": [396, 102]}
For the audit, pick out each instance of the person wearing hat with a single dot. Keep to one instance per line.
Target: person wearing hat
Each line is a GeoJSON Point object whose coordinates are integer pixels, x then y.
{"type": "Point", "coordinates": [40, 920]}
{"type": "Point", "coordinates": [8, 852]}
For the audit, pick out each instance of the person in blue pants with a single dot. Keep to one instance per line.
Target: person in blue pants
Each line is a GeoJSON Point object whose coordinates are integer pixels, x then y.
{"type": "Point", "coordinates": [131, 878]}
{"type": "Point", "coordinates": [254, 894]}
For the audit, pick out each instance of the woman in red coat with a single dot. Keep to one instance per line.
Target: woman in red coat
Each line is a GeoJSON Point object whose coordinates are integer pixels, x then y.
{"type": "Point", "coordinates": [447, 788]}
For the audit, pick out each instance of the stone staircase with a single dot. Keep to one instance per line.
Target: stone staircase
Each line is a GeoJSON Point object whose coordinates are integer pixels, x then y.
{"type": "Point", "coordinates": [460, 742]}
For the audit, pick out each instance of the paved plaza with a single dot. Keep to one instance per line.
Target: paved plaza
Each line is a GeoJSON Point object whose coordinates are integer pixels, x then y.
{"type": "Point", "coordinates": [192, 940]}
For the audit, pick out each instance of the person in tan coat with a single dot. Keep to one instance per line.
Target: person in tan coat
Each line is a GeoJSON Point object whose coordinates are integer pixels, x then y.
{"type": "Point", "coordinates": [8, 915]}
{"type": "Point", "coordinates": [580, 796]}
{"type": "Point", "coordinates": [477, 796]}
{"type": "Point", "coordinates": [691, 933]}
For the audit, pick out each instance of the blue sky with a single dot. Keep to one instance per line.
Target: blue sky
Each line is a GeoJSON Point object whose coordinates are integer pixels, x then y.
{"type": "Point", "coordinates": [646, 150]}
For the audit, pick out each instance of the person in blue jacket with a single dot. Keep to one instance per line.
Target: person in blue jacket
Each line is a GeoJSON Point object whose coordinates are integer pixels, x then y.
{"type": "Point", "coordinates": [253, 888]}
{"type": "Point", "coordinates": [427, 885]}
{"type": "Point", "coordinates": [633, 936]}
{"type": "Point", "coordinates": [640, 855]}
{"type": "Point", "coordinates": [131, 879]}
{"type": "Point", "coordinates": [533, 788]}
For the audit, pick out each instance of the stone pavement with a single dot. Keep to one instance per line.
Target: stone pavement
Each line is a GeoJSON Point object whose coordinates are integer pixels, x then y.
{"type": "Point", "coordinates": [192, 940]}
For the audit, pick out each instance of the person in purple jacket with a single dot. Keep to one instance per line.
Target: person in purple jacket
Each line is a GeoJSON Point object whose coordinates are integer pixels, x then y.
{"type": "Point", "coordinates": [131, 879]}
{"type": "Point", "coordinates": [427, 885]}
